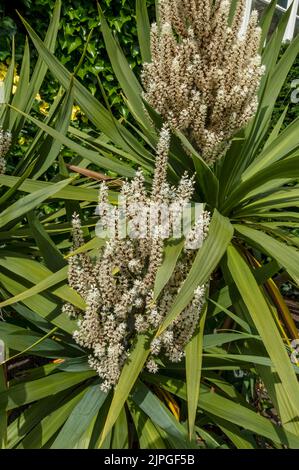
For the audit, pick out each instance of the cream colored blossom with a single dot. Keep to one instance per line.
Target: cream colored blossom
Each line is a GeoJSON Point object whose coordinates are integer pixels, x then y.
{"type": "Point", "coordinates": [5, 143]}
{"type": "Point", "coordinates": [118, 286]}
{"type": "Point", "coordinates": [204, 74]}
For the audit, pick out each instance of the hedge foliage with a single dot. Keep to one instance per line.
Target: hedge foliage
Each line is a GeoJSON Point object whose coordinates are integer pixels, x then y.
{"type": "Point", "coordinates": [78, 20]}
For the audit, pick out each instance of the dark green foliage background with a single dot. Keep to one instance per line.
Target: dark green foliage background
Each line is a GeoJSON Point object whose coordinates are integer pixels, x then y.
{"type": "Point", "coordinates": [78, 18]}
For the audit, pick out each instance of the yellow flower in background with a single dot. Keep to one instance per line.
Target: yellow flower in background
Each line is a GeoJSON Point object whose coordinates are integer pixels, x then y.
{"type": "Point", "coordinates": [75, 112]}
{"type": "Point", "coordinates": [15, 83]}
{"type": "Point", "coordinates": [3, 71]}
{"type": "Point", "coordinates": [22, 140]}
{"type": "Point", "coordinates": [44, 108]}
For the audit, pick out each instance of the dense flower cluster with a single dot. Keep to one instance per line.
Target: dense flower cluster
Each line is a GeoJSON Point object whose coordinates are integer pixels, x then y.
{"type": "Point", "coordinates": [204, 74]}
{"type": "Point", "coordinates": [118, 286]}
{"type": "Point", "coordinates": [5, 142]}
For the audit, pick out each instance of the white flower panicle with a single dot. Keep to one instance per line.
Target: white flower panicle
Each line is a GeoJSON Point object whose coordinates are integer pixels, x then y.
{"type": "Point", "coordinates": [118, 286]}
{"type": "Point", "coordinates": [5, 143]}
{"type": "Point", "coordinates": [204, 74]}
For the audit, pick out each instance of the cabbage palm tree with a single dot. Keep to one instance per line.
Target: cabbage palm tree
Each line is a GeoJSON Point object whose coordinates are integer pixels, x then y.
{"type": "Point", "coordinates": [252, 193]}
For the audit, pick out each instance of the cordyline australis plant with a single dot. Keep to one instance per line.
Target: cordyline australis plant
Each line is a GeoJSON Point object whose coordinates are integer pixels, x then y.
{"type": "Point", "coordinates": [204, 73]}
{"type": "Point", "coordinates": [249, 246]}
{"type": "Point", "coordinates": [119, 286]}
{"type": "Point", "coordinates": [203, 80]}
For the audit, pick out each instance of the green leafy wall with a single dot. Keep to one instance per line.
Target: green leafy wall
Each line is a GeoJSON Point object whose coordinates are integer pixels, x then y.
{"type": "Point", "coordinates": [78, 19]}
